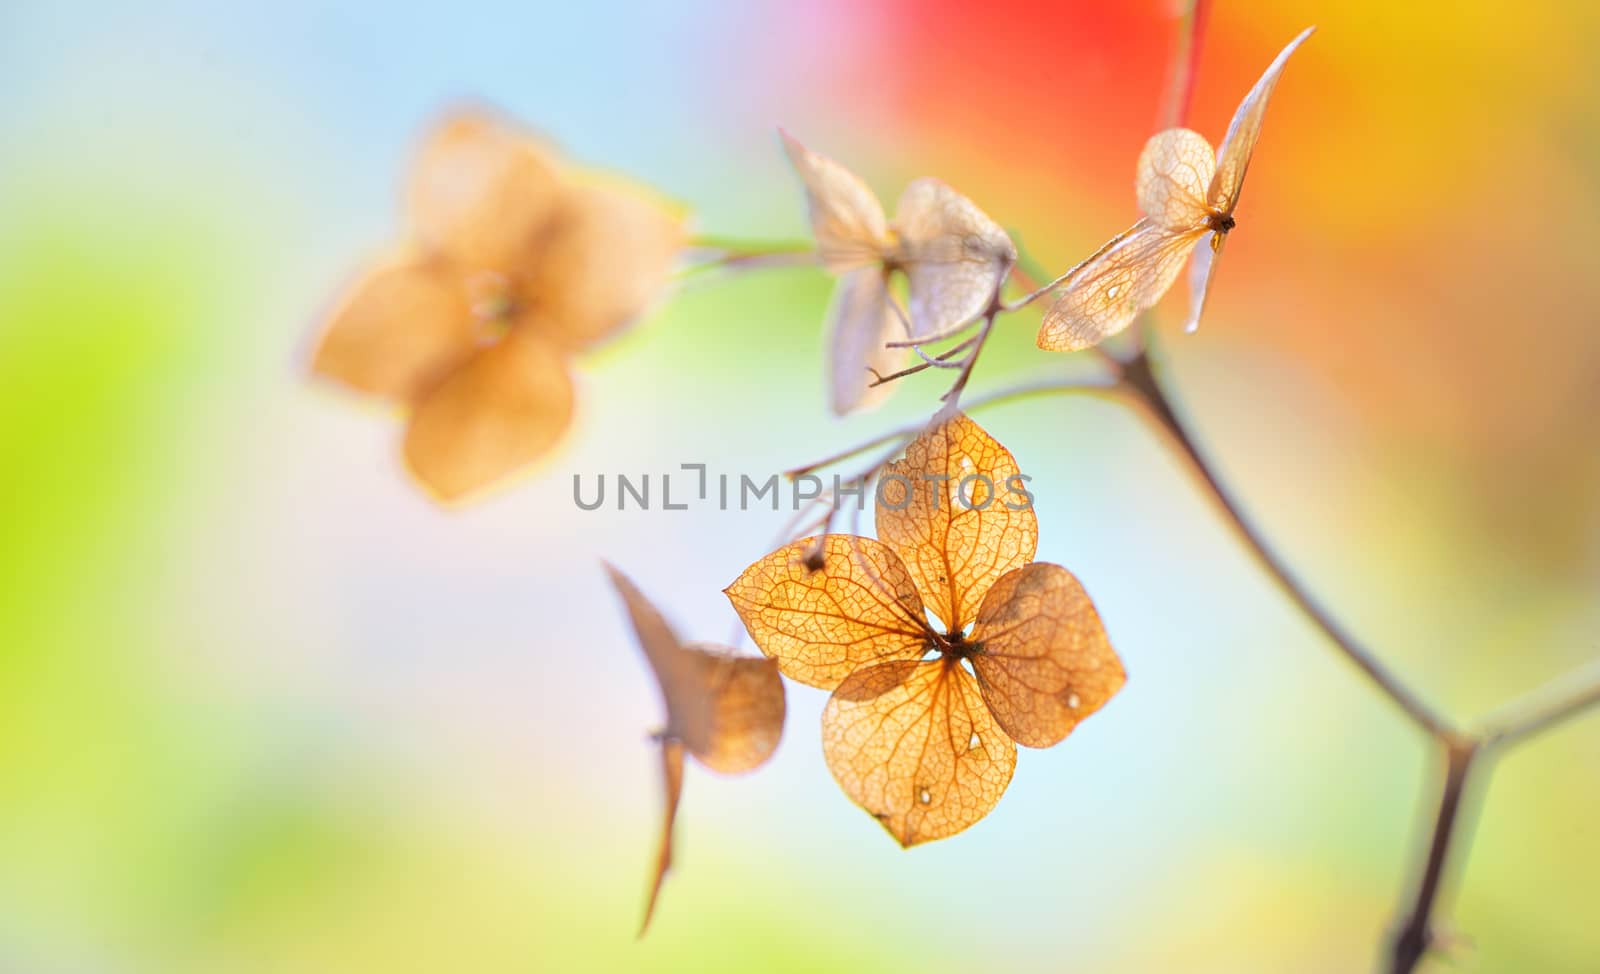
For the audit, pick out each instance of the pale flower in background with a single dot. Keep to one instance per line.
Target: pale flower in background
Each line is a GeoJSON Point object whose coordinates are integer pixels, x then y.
{"type": "Point", "coordinates": [954, 258]}
{"type": "Point", "coordinates": [517, 263]}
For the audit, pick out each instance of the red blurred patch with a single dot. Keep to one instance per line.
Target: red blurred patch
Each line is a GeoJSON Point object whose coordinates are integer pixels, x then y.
{"type": "Point", "coordinates": [1068, 87]}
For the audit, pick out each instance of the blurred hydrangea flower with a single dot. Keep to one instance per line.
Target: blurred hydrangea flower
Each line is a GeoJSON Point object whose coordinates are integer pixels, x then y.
{"type": "Point", "coordinates": [516, 263]}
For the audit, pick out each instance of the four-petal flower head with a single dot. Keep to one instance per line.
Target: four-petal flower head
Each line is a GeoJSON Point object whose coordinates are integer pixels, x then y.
{"type": "Point", "coordinates": [1185, 192]}
{"type": "Point", "coordinates": [954, 258]}
{"type": "Point", "coordinates": [922, 727]}
{"type": "Point", "coordinates": [516, 264]}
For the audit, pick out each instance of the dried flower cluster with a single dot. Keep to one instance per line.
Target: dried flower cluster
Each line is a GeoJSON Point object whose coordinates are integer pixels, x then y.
{"type": "Point", "coordinates": [944, 645]}
{"type": "Point", "coordinates": [920, 728]}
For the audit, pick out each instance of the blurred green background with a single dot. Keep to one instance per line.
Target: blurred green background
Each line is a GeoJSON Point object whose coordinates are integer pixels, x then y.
{"type": "Point", "coordinates": [263, 708]}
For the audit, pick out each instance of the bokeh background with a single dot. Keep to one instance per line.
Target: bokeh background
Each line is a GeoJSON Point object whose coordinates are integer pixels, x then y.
{"type": "Point", "coordinates": [263, 708]}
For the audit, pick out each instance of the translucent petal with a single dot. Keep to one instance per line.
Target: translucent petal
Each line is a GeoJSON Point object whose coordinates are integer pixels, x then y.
{"type": "Point", "coordinates": [846, 218]}
{"type": "Point", "coordinates": [952, 510]}
{"type": "Point", "coordinates": [1112, 289]}
{"type": "Point", "coordinates": [860, 607]}
{"type": "Point", "coordinates": [727, 709]}
{"type": "Point", "coordinates": [864, 320]}
{"type": "Point", "coordinates": [747, 708]}
{"type": "Point", "coordinates": [953, 254]}
{"type": "Point", "coordinates": [1233, 156]}
{"type": "Point", "coordinates": [914, 744]}
{"type": "Point", "coordinates": [1045, 662]}
{"type": "Point", "coordinates": [1175, 171]}
{"type": "Point", "coordinates": [1201, 270]}
{"type": "Point", "coordinates": [680, 675]}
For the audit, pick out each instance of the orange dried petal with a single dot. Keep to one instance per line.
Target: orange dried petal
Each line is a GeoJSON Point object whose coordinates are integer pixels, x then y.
{"type": "Point", "coordinates": [746, 712]}
{"type": "Point", "coordinates": [1045, 662]}
{"type": "Point", "coordinates": [481, 192]}
{"type": "Point", "coordinates": [914, 744]}
{"type": "Point", "coordinates": [400, 328]}
{"type": "Point", "coordinates": [605, 257]}
{"type": "Point", "coordinates": [954, 513]}
{"type": "Point", "coordinates": [500, 411]}
{"type": "Point", "coordinates": [860, 607]}
{"type": "Point", "coordinates": [727, 709]}
{"type": "Point", "coordinates": [681, 676]}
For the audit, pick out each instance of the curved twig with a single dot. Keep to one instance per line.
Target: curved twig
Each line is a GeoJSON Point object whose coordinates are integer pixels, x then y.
{"type": "Point", "coordinates": [1542, 709]}
{"type": "Point", "coordinates": [1140, 379]}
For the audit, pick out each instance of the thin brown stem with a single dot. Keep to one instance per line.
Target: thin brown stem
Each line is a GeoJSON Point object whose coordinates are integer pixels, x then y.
{"type": "Point", "coordinates": [1539, 711]}
{"type": "Point", "coordinates": [1140, 379]}
{"type": "Point", "coordinates": [714, 254]}
{"type": "Point", "coordinates": [1026, 271]}
{"type": "Point", "coordinates": [974, 346]}
{"type": "Point", "coordinates": [1092, 386]}
{"type": "Point", "coordinates": [940, 361]}
{"type": "Point", "coordinates": [904, 432]}
{"type": "Point", "coordinates": [738, 245]}
{"type": "Point", "coordinates": [952, 396]}
{"type": "Point", "coordinates": [1415, 935]}
{"type": "Point", "coordinates": [1023, 277]}
{"type": "Point", "coordinates": [1073, 271]}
